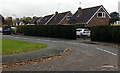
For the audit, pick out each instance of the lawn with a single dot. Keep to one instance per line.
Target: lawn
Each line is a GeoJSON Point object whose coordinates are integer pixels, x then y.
{"type": "Point", "coordinates": [14, 46]}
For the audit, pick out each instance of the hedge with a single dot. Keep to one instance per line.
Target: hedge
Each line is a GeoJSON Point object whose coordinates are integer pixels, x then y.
{"type": "Point", "coordinates": [106, 34]}
{"type": "Point", "coordinates": [55, 31]}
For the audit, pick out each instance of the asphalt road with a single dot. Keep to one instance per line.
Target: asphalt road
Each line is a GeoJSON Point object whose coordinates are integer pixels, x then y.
{"type": "Point", "coordinates": [83, 57]}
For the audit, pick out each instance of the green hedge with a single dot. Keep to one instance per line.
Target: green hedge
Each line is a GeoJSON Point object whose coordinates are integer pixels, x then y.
{"type": "Point", "coordinates": [106, 33]}
{"type": "Point", "coordinates": [55, 31]}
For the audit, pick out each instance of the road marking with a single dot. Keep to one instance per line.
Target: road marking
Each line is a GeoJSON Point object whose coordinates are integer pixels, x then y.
{"type": "Point", "coordinates": [25, 38]}
{"type": "Point", "coordinates": [84, 44]}
{"type": "Point", "coordinates": [108, 66]}
{"type": "Point", "coordinates": [106, 51]}
{"type": "Point", "coordinates": [69, 42]}
{"type": "Point", "coordinates": [75, 43]}
{"type": "Point", "coordinates": [38, 39]}
{"type": "Point", "coordinates": [46, 40]}
{"type": "Point", "coordinates": [17, 37]}
{"type": "Point", "coordinates": [72, 43]}
{"type": "Point", "coordinates": [55, 41]}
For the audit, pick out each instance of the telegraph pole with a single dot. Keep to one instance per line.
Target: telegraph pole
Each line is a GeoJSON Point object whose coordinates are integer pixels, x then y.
{"type": "Point", "coordinates": [79, 4]}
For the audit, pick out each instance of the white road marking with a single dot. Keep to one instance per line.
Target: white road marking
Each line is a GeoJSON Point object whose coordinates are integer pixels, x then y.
{"type": "Point", "coordinates": [46, 40]}
{"type": "Point", "coordinates": [16, 37]}
{"type": "Point", "coordinates": [106, 51]}
{"type": "Point", "coordinates": [84, 44]}
{"type": "Point", "coordinates": [55, 41]}
{"type": "Point", "coordinates": [78, 44]}
{"type": "Point", "coordinates": [25, 38]}
{"type": "Point", "coordinates": [69, 42]}
{"type": "Point", "coordinates": [38, 39]}
{"type": "Point", "coordinates": [72, 43]}
{"type": "Point", "coordinates": [108, 66]}
{"type": "Point", "coordinates": [75, 43]}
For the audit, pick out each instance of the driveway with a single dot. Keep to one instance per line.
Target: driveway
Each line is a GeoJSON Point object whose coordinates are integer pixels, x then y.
{"type": "Point", "coordinates": [83, 57]}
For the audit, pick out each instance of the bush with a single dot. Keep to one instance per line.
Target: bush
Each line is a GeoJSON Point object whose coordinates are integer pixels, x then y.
{"type": "Point", "coordinates": [55, 31]}
{"type": "Point", "coordinates": [106, 33]}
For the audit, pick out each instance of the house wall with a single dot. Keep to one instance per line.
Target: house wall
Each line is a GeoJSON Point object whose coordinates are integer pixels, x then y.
{"type": "Point", "coordinates": [99, 21]}
{"type": "Point", "coordinates": [64, 21]}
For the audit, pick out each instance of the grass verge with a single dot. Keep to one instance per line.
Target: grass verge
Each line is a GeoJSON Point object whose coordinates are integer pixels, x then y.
{"type": "Point", "coordinates": [14, 46]}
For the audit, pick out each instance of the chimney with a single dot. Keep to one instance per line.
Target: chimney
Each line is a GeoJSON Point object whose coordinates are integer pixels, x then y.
{"type": "Point", "coordinates": [56, 13]}
{"type": "Point", "coordinates": [79, 9]}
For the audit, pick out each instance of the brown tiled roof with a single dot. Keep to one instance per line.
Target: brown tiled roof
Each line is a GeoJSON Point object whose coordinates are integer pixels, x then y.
{"type": "Point", "coordinates": [84, 16]}
{"type": "Point", "coordinates": [45, 19]}
{"type": "Point", "coordinates": [58, 17]}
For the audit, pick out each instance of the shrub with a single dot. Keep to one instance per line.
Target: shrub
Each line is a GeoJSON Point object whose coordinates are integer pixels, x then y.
{"type": "Point", "coordinates": [55, 31]}
{"type": "Point", "coordinates": [106, 33]}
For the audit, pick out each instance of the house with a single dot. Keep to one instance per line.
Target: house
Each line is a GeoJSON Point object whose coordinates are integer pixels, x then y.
{"type": "Point", "coordinates": [39, 20]}
{"type": "Point", "coordinates": [60, 18]}
{"type": "Point", "coordinates": [92, 16]}
{"type": "Point", "coordinates": [57, 18]}
{"type": "Point", "coordinates": [45, 19]}
{"type": "Point", "coordinates": [34, 20]}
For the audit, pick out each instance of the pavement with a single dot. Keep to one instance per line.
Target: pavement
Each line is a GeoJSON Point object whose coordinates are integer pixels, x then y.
{"type": "Point", "coordinates": [83, 57]}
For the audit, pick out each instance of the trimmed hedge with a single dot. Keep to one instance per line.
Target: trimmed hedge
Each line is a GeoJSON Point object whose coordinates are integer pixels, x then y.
{"type": "Point", "coordinates": [106, 34]}
{"type": "Point", "coordinates": [55, 31]}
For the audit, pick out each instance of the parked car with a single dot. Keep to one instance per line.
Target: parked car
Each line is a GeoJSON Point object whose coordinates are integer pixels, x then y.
{"type": "Point", "coordinates": [6, 30]}
{"type": "Point", "coordinates": [14, 30]}
{"type": "Point", "coordinates": [82, 32]}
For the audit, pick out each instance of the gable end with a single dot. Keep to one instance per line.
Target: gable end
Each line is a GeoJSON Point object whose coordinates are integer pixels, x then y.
{"type": "Point", "coordinates": [97, 12]}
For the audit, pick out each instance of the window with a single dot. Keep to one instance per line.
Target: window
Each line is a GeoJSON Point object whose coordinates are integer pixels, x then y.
{"type": "Point", "coordinates": [68, 17]}
{"type": "Point", "coordinates": [101, 15]}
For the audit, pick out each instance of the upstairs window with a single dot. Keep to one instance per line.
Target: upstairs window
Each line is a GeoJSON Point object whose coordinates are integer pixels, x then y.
{"type": "Point", "coordinates": [101, 15]}
{"type": "Point", "coordinates": [68, 17]}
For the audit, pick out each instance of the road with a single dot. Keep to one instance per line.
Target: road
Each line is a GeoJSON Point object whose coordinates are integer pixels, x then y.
{"type": "Point", "coordinates": [83, 57]}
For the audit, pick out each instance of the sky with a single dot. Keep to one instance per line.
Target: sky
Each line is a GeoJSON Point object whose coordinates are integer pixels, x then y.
{"type": "Point", "coordinates": [20, 8]}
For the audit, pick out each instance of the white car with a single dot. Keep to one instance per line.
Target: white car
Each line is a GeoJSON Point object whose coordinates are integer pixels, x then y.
{"type": "Point", "coordinates": [82, 32]}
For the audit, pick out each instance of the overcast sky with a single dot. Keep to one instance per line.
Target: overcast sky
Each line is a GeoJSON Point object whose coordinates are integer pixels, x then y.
{"type": "Point", "coordinates": [22, 8]}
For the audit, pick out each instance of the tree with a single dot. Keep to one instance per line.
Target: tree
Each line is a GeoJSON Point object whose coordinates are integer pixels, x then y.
{"type": "Point", "coordinates": [27, 20]}
{"type": "Point", "coordinates": [3, 20]}
{"type": "Point", "coordinates": [114, 17]}
{"type": "Point", "coordinates": [9, 21]}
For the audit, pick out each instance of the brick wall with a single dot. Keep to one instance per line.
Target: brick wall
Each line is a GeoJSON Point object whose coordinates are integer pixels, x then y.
{"type": "Point", "coordinates": [99, 21]}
